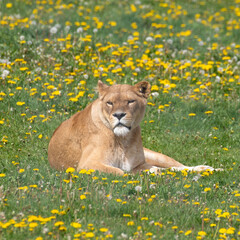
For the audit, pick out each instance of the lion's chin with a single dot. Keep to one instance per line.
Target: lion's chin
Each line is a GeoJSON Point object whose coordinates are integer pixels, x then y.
{"type": "Point", "coordinates": [121, 131]}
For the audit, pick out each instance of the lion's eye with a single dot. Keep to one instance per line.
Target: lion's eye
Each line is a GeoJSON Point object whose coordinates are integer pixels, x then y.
{"type": "Point", "coordinates": [109, 103]}
{"type": "Point", "coordinates": [131, 101]}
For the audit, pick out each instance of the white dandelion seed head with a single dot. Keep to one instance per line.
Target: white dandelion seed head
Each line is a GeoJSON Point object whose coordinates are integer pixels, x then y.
{"type": "Point", "coordinates": [53, 30]}
{"type": "Point", "coordinates": [138, 188]}
{"type": "Point", "coordinates": [170, 41]}
{"type": "Point", "coordinates": [149, 39]}
{"type": "Point", "coordinates": [5, 73]}
{"type": "Point", "coordinates": [80, 30]}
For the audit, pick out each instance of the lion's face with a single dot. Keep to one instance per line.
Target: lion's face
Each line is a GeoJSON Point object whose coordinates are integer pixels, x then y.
{"type": "Point", "coordinates": [123, 106]}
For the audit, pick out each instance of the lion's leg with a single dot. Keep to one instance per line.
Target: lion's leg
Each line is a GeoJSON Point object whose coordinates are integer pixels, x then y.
{"type": "Point", "coordinates": [101, 167]}
{"type": "Point", "coordinates": [161, 160]}
{"type": "Point", "coordinates": [142, 167]}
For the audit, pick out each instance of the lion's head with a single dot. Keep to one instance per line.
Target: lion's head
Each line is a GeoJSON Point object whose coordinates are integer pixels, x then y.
{"type": "Point", "coordinates": [123, 106]}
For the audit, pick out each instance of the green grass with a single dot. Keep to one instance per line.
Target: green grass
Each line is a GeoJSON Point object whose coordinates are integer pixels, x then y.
{"type": "Point", "coordinates": [188, 50]}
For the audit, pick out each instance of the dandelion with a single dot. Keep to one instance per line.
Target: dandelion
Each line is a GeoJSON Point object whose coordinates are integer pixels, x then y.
{"type": "Point", "coordinates": [222, 230]}
{"type": "Point", "coordinates": [59, 223]}
{"type": "Point", "coordinates": [138, 188]}
{"type": "Point", "coordinates": [188, 232]}
{"type": "Point", "coordinates": [20, 103]}
{"type": "Point", "coordinates": [89, 235]}
{"type": "Point", "coordinates": [33, 224]}
{"type": "Point", "coordinates": [230, 230]}
{"type": "Point", "coordinates": [70, 170]}
{"type": "Point", "coordinates": [62, 228]}
{"type": "Point", "coordinates": [82, 197]}
{"type": "Point", "coordinates": [5, 73]}
{"type": "Point", "coordinates": [53, 30]}
{"type": "Point", "coordinates": [54, 211]}
{"type": "Point", "coordinates": [130, 223]}
{"type": "Point", "coordinates": [207, 189]}
{"type": "Point", "coordinates": [149, 234]}
{"type": "Point", "coordinates": [208, 112]}
{"type": "Point", "coordinates": [76, 225]}
{"type": "Point", "coordinates": [202, 233]}
{"type": "Point", "coordinates": [8, 5]}
{"type": "Point", "coordinates": [133, 8]}
{"type": "Point", "coordinates": [149, 39]}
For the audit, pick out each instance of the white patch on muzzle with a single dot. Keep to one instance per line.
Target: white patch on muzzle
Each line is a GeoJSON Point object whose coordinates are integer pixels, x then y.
{"type": "Point", "coordinates": [121, 131]}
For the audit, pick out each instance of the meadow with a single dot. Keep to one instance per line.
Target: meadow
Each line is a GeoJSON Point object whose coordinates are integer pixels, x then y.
{"type": "Point", "coordinates": [53, 52]}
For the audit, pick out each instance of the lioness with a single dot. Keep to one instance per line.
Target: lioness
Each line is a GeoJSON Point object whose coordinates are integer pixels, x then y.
{"type": "Point", "coordinates": [106, 135]}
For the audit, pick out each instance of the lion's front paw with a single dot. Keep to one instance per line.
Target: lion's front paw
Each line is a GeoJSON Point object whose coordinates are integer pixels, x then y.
{"type": "Point", "coordinates": [155, 170]}
{"type": "Point", "coordinates": [201, 168]}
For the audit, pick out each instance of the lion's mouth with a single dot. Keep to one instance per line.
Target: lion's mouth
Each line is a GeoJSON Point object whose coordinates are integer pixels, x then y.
{"type": "Point", "coordinates": [122, 125]}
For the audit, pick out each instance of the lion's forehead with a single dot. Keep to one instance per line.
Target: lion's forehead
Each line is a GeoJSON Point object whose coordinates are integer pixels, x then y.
{"type": "Point", "coordinates": [120, 94]}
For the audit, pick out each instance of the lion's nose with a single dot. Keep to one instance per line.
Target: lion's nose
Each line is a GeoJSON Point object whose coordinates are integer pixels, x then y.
{"type": "Point", "coordinates": [119, 115]}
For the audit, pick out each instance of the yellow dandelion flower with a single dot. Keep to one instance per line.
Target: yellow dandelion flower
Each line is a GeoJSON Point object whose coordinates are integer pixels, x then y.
{"type": "Point", "coordinates": [76, 225]}
{"type": "Point", "coordinates": [59, 223]}
{"type": "Point", "coordinates": [89, 235]}
{"type": "Point", "coordinates": [133, 8]}
{"type": "Point", "coordinates": [20, 103]}
{"type": "Point", "coordinates": [62, 228]}
{"type": "Point", "coordinates": [202, 233]}
{"type": "Point", "coordinates": [54, 211]}
{"type": "Point", "coordinates": [222, 230]}
{"type": "Point", "coordinates": [82, 197]}
{"type": "Point", "coordinates": [70, 170]}
{"type": "Point", "coordinates": [83, 171]}
{"type": "Point", "coordinates": [207, 189]}
{"type": "Point", "coordinates": [149, 234]}
{"type": "Point", "coordinates": [39, 238]}
{"type": "Point", "coordinates": [131, 223]}
{"type": "Point", "coordinates": [33, 224]}
{"type": "Point", "coordinates": [230, 230]}
{"type": "Point", "coordinates": [103, 229]}
{"type": "Point", "coordinates": [8, 5]}
{"type": "Point", "coordinates": [187, 232]}
{"type": "Point", "coordinates": [208, 112]}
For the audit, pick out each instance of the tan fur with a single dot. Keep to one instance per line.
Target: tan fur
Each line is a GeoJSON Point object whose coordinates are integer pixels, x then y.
{"type": "Point", "coordinates": [92, 138]}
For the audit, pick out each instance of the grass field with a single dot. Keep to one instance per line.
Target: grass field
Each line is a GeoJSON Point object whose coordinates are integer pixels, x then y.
{"type": "Point", "coordinates": [52, 53]}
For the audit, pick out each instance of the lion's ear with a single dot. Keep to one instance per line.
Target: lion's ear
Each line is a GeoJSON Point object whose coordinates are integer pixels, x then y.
{"type": "Point", "coordinates": [143, 88]}
{"type": "Point", "coordinates": [101, 88]}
